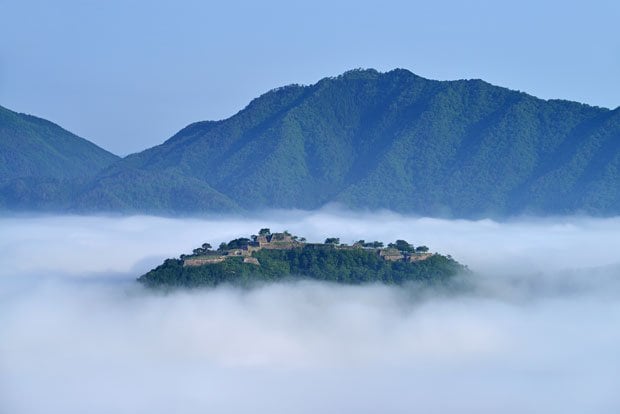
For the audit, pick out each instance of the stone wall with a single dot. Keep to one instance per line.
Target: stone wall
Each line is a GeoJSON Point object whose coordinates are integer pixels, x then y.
{"type": "Point", "coordinates": [417, 257]}
{"type": "Point", "coordinates": [252, 260]}
{"type": "Point", "coordinates": [199, 261]}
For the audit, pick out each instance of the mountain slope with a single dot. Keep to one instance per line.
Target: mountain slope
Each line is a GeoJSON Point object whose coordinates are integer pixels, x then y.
{"type": "Point", "coordinates": [396, 140]}
{"type": "Point", "coordinates": [154, 192]}
{"type": "Point", "coordinates": [41, 164]}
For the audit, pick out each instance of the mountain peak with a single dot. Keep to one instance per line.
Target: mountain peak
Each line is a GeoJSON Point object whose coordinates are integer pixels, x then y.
{"type": "Point", "coordinates": [373, 140]}
{"type": "Point", "coordinates": [395, 140]}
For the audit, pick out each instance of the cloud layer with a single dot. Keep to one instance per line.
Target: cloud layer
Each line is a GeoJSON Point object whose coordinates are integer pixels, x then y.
{"type": "Point", "coordinates": [535, 331]}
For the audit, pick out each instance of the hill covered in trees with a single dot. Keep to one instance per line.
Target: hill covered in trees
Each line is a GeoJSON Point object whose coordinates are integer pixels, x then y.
{"type": "Point", "coordinates": [397, 141]}
{"type": "Point", "coordinates": [270, 257]}
{"type": "Point", "coordinates": [42, 165]}
{"type": "Point", "coordinates": [371, 140]}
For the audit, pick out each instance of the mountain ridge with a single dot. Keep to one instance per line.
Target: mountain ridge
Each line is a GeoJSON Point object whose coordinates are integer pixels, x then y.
{"type": "Point", "coordinates": [372, 140]}
{"type": "Point", "coordinates": [42, 164]}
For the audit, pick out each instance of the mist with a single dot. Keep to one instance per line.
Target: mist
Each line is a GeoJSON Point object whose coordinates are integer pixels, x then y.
{"type": "Point", "coordinates": [533, 330]}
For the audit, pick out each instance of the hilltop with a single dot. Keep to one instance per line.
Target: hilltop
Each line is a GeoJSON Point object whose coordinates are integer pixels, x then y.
{"type": "Point", "coordinates": [365, 140]}
{"type": "Point", "coordinates": [395, 140]}
{"type": "Point", "coordinates": [43, 166]}
{"type": "Point", "coordinates": [268, 257]}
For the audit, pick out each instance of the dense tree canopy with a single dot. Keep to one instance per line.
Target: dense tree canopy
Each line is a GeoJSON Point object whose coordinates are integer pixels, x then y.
{"type": "Point", "coordinates": [365, 139]}
{"type": "Point", "coordinates": [395, 140]}
{"type": "Point", "coordinates": [325, 263]}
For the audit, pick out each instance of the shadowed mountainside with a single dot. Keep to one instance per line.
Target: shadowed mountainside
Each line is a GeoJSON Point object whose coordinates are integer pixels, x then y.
{"type": "Point", "coordinates": [389, 140]}
{"type": "Point", "coordinates": [372, 140]}
{"type": "Point", "coordinates": [41, 164]}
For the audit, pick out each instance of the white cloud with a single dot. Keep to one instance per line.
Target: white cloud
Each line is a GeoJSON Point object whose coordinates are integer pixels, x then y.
{"type": "Point", "coordinates": [535, 334]}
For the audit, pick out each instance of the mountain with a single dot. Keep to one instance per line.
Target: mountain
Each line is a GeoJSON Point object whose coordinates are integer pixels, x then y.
{"type": "Point", "coordinates": [364, 139]}
{"type": "Point", "coordinates": [41, 164]}
{"type": "Point", "coordinates": [383, 140]}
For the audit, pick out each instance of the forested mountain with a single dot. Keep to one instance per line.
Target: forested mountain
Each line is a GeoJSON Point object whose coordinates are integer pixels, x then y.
{"type": "Point", "coordinates": [388, 140]}
{"type": "Point", "coordinates": [374, 140]}
{"type": "Point", "coordinates": [43, 165]}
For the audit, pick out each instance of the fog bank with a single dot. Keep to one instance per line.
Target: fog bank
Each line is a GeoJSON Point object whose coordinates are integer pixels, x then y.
{"type": "Point", "coordinates": [535, 331]}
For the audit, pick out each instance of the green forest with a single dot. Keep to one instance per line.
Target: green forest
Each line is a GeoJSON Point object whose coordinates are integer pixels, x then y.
{"type": "Point", "coordinates": [313, 262]}
{"type": "Point", "coordinates": [364, 139]}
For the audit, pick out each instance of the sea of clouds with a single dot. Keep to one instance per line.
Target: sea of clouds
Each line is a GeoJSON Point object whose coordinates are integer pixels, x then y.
{"type": "Point", "coordinates": [535, 329]}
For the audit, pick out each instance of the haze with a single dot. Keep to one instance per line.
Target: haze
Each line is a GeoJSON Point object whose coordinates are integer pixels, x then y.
{"type": "Point", "coordinates": [534, 329]}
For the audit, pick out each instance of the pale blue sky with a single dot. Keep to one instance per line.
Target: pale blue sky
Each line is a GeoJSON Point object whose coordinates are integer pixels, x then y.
{"type": "Point", "coordinates": [128, 74]}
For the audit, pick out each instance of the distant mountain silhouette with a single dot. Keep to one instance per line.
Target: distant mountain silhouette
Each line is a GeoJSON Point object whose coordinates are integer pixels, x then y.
{"type": "Point", "coordinates": [373, 140]}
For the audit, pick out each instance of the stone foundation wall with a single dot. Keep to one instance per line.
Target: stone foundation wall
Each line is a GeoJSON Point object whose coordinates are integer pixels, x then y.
{"type": "Point", "coordinates": [199, 261]}
{"type": "Point", "coordinates": [419, 257]}
{"type": "Point", "coordinates": [252, 260]}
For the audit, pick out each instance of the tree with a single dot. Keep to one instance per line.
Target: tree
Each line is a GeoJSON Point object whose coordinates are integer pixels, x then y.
{"type": "Point", "coordinates": [404, 246]}
{"type": "Point", "coordinates": [223, 247]}
{"type": "Point", "coordinates": [239, 243]}
{"type": "Point", "coordinates": [421, 249]}
{"type": "Point", "coordinates": [264, 232]}
{"type": "Point", "coordinates": [206, 247]}
{"type": "Point", "coordinates": [332, 240]}
{"type": "Point", "coordinates": [303, 240]}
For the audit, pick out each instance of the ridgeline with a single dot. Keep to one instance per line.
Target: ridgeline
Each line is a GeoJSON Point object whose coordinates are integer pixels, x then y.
{"type": "Point", "coordinates": [364, 139]}
{"type": "Point", "coordinates": [42, 166]}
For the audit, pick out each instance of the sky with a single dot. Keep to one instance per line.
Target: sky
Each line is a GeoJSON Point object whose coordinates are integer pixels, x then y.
{"type": "Point", "coordinates": [531, 333]}
{"type": "Point", "coordinates": [128, 74]}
